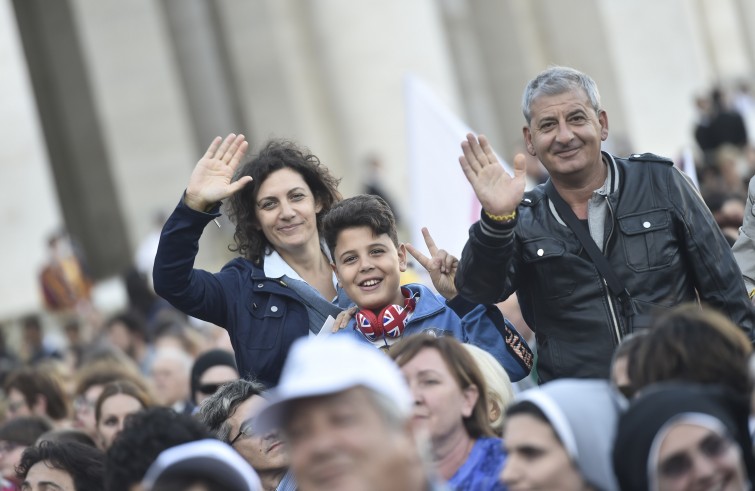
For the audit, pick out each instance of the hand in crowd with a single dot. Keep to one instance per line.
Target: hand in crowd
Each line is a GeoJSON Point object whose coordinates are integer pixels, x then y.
{"type": "Point", "coordinates": [212, 178]}
{"type": "Point", "coordinates": [342, 320]}
{"type": "Point", "coordinates": [440, 265]}
{"type": "Point", "coordinates": [498, 192]}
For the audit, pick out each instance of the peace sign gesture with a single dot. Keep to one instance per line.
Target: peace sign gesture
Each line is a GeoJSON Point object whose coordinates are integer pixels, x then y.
{"type": "Point", "coordinates": [210, 180]}
{"type": "Point", "coordinates": [441, 265]}
{"type": "Point", "coordinates": [498, 192]}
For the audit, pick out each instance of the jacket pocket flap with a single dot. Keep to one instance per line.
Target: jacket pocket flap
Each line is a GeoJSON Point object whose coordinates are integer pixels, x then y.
{"type": "Point", "coordinates": [641, 223]}
{"type": "Point", "coordinates": [271, 307]}
{"type": "Point", "coordinates": [534, 250]}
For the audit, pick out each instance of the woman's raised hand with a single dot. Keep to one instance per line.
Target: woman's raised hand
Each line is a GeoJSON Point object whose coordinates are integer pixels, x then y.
{"type": "Point", "coordinates": [498, 192]}
{"type": "Point", "coordinates": [211, 179]}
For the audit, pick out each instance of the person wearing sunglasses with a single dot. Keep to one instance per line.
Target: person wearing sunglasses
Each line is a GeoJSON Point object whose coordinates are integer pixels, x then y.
{"type": "Point", "coordinates": [230, 414]}
{"type": "Point", "coordinates": [684, 437]}
{"type": "Point", "coordinates": [211, 370]}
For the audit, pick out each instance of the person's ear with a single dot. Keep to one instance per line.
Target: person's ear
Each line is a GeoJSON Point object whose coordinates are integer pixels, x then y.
{"type": "Point", "coordinates": [495, 410]}
{"type": "Point", "coordinates": [528, 141]}
{"type": "Point", "coordinates": [335, 270]}
{"type": "Point", "coordinates": [402, 262]}
{"type": "Point", "coordinates": [318, 206]}
{"type": "Point", "coordinates": [471, 394]}
{"type": "Point", "coordinates": [603, 120]}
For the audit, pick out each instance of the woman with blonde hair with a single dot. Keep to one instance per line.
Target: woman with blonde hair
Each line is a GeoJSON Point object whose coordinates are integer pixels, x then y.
{"type": "Point", "coordinates": [450, 406]}
{"type": "Point", "coordinates": [500, 391]}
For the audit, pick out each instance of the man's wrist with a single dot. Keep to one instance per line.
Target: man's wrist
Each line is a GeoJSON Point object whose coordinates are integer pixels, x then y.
{"type": "Point", "coordinates": [501, 218]}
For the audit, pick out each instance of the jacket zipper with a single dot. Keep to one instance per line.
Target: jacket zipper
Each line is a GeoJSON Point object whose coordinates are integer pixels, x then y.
{"type": "Point", "coordinates": [609, 297]}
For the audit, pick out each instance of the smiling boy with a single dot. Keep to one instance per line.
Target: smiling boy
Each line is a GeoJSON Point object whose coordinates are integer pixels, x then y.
{"type": "Point", "coordinates": [368, 261]}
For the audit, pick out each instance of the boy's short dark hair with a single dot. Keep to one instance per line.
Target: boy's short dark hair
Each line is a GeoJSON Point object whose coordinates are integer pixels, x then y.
{"type": "Point", "coordinates": [363, 210]}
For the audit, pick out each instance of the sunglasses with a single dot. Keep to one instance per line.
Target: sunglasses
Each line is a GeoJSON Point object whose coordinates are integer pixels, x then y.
{"type": "Point", "coordinates": [209, 389]}
{"type": "Point", "coordinates": [678, 465]}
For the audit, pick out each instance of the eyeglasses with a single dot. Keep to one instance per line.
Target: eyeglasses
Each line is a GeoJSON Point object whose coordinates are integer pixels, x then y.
{"type": "Point", "coordinates": [209, 389]}
{"type": "Point", "coordinates": [678, 465]}
{"type": "Point", "coordinates": [246, 428]}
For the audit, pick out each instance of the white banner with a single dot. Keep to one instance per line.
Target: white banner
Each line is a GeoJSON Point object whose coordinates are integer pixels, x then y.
{"type": "Point", "coordinates": [441, 197]}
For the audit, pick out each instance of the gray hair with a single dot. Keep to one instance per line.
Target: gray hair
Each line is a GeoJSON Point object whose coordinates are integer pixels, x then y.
{"type": "Point", "coordinates": [218, 408]}
{"type": "Point", "coordinates": [557, 80]}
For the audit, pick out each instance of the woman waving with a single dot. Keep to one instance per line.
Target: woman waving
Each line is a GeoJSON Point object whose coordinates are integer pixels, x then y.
{"type": "Point", "coordinates": [281, 287]}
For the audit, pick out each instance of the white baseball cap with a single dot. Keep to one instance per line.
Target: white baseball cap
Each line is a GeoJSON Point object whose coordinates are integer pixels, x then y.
{"type": "Point", "coordinates": [205, 458]}
{"type": "Point", "coordinates": [324, 366]}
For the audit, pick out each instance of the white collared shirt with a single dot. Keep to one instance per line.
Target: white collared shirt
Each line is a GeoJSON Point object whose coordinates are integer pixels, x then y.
{"type": "Point", "coordinates": [276, 267]}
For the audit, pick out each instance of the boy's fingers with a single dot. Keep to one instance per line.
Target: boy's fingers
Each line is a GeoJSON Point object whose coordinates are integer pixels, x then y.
{"type": "Point", "coordinates": [421, 258]}
{"type": "Point", "coordinates": [429, 241]}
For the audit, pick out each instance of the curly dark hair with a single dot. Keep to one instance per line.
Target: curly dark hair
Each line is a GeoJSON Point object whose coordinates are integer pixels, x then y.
{"type": "Point", "coordinates": [84, 463]}
{"type": "Point", "coordinates": [249, 240]}
{"type": "Point", "coordinates": [145, 434]}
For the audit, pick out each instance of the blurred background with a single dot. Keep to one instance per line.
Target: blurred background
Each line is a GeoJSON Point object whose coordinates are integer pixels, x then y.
{"type": "Point", "coordinates": [107, 105]}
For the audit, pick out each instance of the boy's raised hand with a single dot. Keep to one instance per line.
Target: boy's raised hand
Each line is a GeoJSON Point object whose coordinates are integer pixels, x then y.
{"type": "Point", "coordinates": [441, 265]}
{"type": "Point", "coordinates": [211, 179]}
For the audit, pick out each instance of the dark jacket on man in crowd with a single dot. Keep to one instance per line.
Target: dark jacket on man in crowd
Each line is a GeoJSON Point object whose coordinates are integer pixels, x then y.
{"type": "Point", "coordinates": [659, 238]}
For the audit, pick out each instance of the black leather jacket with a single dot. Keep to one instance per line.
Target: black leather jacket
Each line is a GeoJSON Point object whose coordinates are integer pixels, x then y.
{"type": "Point", "coordinates": [660, 239]}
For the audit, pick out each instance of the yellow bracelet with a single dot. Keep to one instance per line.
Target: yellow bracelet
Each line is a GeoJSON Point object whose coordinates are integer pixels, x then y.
{"type": "Point", "coordinates": [501, 218]}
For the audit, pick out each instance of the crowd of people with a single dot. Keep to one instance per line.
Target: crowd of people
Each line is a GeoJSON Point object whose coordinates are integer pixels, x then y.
{"type": "Point", "coordinates": [319, 369]}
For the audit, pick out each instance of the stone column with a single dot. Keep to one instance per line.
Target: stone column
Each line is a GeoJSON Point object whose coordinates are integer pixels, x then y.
{"type": "Point", "coordinates": [30, 210]}
{"type": "Point", "coordinates": [77, 151]}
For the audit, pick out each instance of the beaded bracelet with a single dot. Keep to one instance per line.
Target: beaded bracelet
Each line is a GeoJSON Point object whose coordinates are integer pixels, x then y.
{"type": "Point", "coordinates": [501, 218]}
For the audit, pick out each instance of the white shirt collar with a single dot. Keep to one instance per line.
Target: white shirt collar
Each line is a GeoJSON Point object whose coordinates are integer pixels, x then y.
{"type": "Point", "coordinates": [276, 267]}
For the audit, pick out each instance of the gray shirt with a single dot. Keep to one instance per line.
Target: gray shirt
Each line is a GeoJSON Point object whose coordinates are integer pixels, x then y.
{"type": "Point", "coordinates": [744, 247]}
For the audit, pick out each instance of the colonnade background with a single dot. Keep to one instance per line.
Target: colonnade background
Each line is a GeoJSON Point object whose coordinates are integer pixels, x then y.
{"type": "Point", "coordinates": [107, 105]}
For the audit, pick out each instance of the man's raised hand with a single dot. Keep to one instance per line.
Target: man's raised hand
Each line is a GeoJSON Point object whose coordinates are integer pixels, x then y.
{"type": "Point", "coordinates": [498, 192]}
